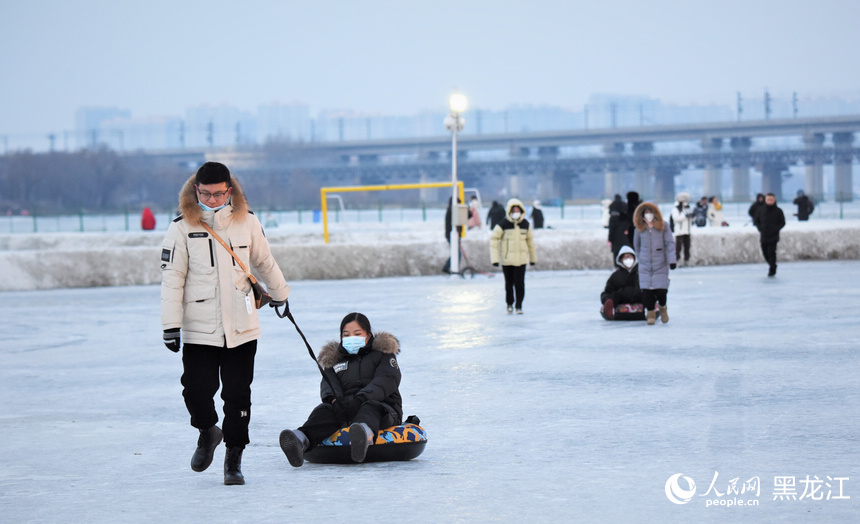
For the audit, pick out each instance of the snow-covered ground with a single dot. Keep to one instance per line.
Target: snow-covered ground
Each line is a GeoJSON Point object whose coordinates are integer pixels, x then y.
{"type": "Point", "coordinates": [552, 416]}
{"type": "Point", "coordinates": [404, 244]}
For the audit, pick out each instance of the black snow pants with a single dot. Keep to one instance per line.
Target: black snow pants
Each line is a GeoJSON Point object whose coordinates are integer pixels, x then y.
{"type": "Point", "coordinates": [325, 419]}
{"type": "Point", "coordinates": [515, 285]}
{"type": "Point", "coordinates": [202, 366]}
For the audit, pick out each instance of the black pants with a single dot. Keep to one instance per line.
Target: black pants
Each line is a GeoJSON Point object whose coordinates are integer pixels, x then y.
{"type": "Point", "coordinates": [683, 243]}
{"type": "Point", "coordinates": [324, 420]}
{"type": "Point", "coordinates": [650, 298]}
{"type": "Point", "coordinates": [202, 366]}
{"type": "Point", "coordinates": [768, 249]}
{"type": "Point", "coordinates": [515, 285]}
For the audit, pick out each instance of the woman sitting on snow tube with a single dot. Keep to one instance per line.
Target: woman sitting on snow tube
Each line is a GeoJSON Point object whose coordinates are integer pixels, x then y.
{"type": "Point", "coordinates": [360, 390]}
{"type": "Point", "coordinates": [622, 298]}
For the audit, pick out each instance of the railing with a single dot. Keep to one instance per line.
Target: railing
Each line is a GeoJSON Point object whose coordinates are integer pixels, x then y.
{"type": "Point", "coordinates": [569, 216]}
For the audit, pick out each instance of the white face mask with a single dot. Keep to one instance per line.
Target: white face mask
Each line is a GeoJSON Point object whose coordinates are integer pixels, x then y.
{"type": "Point", "coordinates": [516, 215]}
{"type": "Point", "coordinates": [649, 217]}
{"type": "Point", "coordinates": [628, 262]}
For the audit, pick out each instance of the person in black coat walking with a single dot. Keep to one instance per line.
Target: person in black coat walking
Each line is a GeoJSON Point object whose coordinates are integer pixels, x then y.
{"type": "Point", "coordinates": [495, 215]}
{"type": "Point", "coordinates": [360, 389]}
{"type": "Point", "coordinates": [769, 219]}
{"type": "Point", "coordinates": [804, 206]}
{"type": "Point", "coordinates": [759, 201]}
{"type": "Point", "coordinates": [632, 203]}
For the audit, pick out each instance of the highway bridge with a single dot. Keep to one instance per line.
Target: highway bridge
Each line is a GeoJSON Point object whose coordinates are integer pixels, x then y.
{"type": "Point", "coordinates": [554, 162]}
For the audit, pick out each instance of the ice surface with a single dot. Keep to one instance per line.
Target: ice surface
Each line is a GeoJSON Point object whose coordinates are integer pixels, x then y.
{"type": "Point", "coordinates": [552, 416]}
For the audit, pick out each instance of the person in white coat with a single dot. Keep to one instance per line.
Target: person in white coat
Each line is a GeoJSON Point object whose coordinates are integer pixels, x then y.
{"type": "Point", "coordinates": [207, 302]}
{"type": "Point", "coordinates": [681, 222]}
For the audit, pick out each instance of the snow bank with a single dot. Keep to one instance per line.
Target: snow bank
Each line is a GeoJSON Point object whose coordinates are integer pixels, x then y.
{"type": "Point", "coordinates": [369, 250]}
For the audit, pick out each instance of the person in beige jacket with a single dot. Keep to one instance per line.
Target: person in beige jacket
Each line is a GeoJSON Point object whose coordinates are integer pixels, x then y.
{"type": "Point", "coordinates": [511, 242]}
{"type": "Point", "coordinates": [207, 301]}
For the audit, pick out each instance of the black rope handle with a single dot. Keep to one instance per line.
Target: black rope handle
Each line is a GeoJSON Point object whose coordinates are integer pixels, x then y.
{"type": "Point", "coordinates": [289, 315]}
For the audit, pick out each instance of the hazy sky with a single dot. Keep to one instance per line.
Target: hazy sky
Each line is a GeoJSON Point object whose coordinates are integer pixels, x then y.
{"type": "Point", "coordinates": [159, 57]}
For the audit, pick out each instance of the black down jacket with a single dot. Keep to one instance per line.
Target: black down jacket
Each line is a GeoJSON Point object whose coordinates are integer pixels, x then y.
{"type": "Point", "coordinates": [623, 283]}
{"type": "Point", "coordinates": [372, 375]}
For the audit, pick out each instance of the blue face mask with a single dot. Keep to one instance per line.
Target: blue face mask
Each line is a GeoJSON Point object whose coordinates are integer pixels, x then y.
{"type": "Point", "coordinates": [207, 208]}
{"type": "Point", "coordinates": [353, 344]}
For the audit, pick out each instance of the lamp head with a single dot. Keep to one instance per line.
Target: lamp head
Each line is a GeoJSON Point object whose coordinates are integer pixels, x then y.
{"type": "Point", "coordinates": [457, 102]}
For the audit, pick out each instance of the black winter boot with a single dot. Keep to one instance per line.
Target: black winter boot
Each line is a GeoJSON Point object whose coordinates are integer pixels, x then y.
{"type": "Point", "coordinates": [206, 444]}
{"type": "Point", "coordinates": [233, 467]}
{"type": "Point", "coordinates": [294, 443]}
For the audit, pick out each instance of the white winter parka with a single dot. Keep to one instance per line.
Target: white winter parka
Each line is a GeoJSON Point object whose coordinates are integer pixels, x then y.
{"type": "Point", "coordinates": [203, 290]}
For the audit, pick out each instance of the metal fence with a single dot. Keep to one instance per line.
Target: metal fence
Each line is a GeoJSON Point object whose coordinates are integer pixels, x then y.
{"type": "Point", "coordinates": [567, 215]}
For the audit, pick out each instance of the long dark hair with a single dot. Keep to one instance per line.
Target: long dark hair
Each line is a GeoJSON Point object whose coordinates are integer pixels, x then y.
{"type": "Point", "coordinates": [355, 317]}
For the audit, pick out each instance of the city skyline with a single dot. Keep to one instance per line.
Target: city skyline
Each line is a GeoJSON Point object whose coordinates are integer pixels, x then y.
{"type": "Point", "coordinates": [388, 58]}
{"type": "Point", "coordinates": [228, 125]}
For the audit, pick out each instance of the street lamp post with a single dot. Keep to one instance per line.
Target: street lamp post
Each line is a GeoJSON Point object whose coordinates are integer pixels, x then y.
{"type": "Point", "coordinates": [454, 122]}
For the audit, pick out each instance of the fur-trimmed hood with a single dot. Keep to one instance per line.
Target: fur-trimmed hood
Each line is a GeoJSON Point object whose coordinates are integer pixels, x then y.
{"type": "Point", "coordinates": [639, 217]}
{"type": "Point", "coordinates": [382, 341]}
{"type": "Point", "coordinates": [193, 213]}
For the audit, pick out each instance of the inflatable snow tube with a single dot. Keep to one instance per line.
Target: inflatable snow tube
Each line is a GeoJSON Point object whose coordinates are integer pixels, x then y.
{"type": "Point", "coordinates": [627, 312]}
{"type": "Point", "coordinates": [404, 442]}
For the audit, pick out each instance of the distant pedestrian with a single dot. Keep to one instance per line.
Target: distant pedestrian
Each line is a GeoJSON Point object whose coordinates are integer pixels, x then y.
{"type": "Point", "coordinates": [769, 219]}
{"type": "Point", "coordinates": [632, 203]}
{"type": "Point", "coordinates": [655, 249]}
{"type": "Point", "coordinates": [617, 207]}
{"type": "Point", "coordinates": [804, 206]}
{"type": "Point", "coordinates": [147, 220]}
{"type": "Point", "coordinates": [619, 226]}
{"type": "Point", "coordinates": [700, 213]}
{"type": "Point", "coordinates": [495, 215]}
{"type": "Point", "coordinates": [512, 244]}
{"type": "Point", "coordinates": [715, 213]}
{"type": "Point", "coordinates": [474, 213]}
{"type": "Point", "coordinates": [681, 223]}
{"type": "Point", "coordinates": [448, 225]}
{"type": "Point", "coordinates": [537, 215]}
{"type": "Point", "coordinates": [759, 201]}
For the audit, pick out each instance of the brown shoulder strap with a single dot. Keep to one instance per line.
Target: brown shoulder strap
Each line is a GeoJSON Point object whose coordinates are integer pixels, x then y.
{"type": "Point", "coordinates": [235, 257]}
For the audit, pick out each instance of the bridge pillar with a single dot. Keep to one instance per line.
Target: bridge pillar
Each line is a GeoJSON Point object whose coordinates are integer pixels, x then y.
{"type": "Point", "coordinates": [771, 178]}
{"type": "Point", "coordinates": [814, 162]}
{"type": "Point", "coordinates": [713, 166]}
{"type": "Point", "coordinates": [842, 158]}
{"type": "Point", "coordinates": [664, 183]}
{"type": "Point", "coordinates": [548, 153]}
{"type": "Point", "coordinates": [642, 157]}
{"type": "Point", "coordinates": [613, 175]}
{"type": "Point", "coordinates": [741, 168]}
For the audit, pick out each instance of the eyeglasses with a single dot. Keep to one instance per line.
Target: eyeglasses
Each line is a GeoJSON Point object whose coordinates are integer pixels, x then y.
{"type": "Point", "coordinates": [206, 195]}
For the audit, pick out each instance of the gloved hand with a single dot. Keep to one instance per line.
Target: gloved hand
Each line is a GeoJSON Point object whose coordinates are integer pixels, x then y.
{"type": "Point", "coordinates": [531, 263]}
{"type": "Point", "coordinates": [673, 266]}
{"type": "Point", "coordinates": [279, 304]}
{"type": "Point", "coordinates": [495, 264]}
{"type": "Point", "coordinates": [171, 339]}
{"type": "Point", "coordinates": [349, 407]}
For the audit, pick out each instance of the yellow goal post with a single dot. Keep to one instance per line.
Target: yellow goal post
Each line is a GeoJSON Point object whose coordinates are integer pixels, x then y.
{"type": "Point", "coordinates": [324, 191]}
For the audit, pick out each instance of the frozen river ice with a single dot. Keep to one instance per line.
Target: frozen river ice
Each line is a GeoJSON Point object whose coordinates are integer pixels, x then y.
{"type": "Point", "coordinates": [555, 415]}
